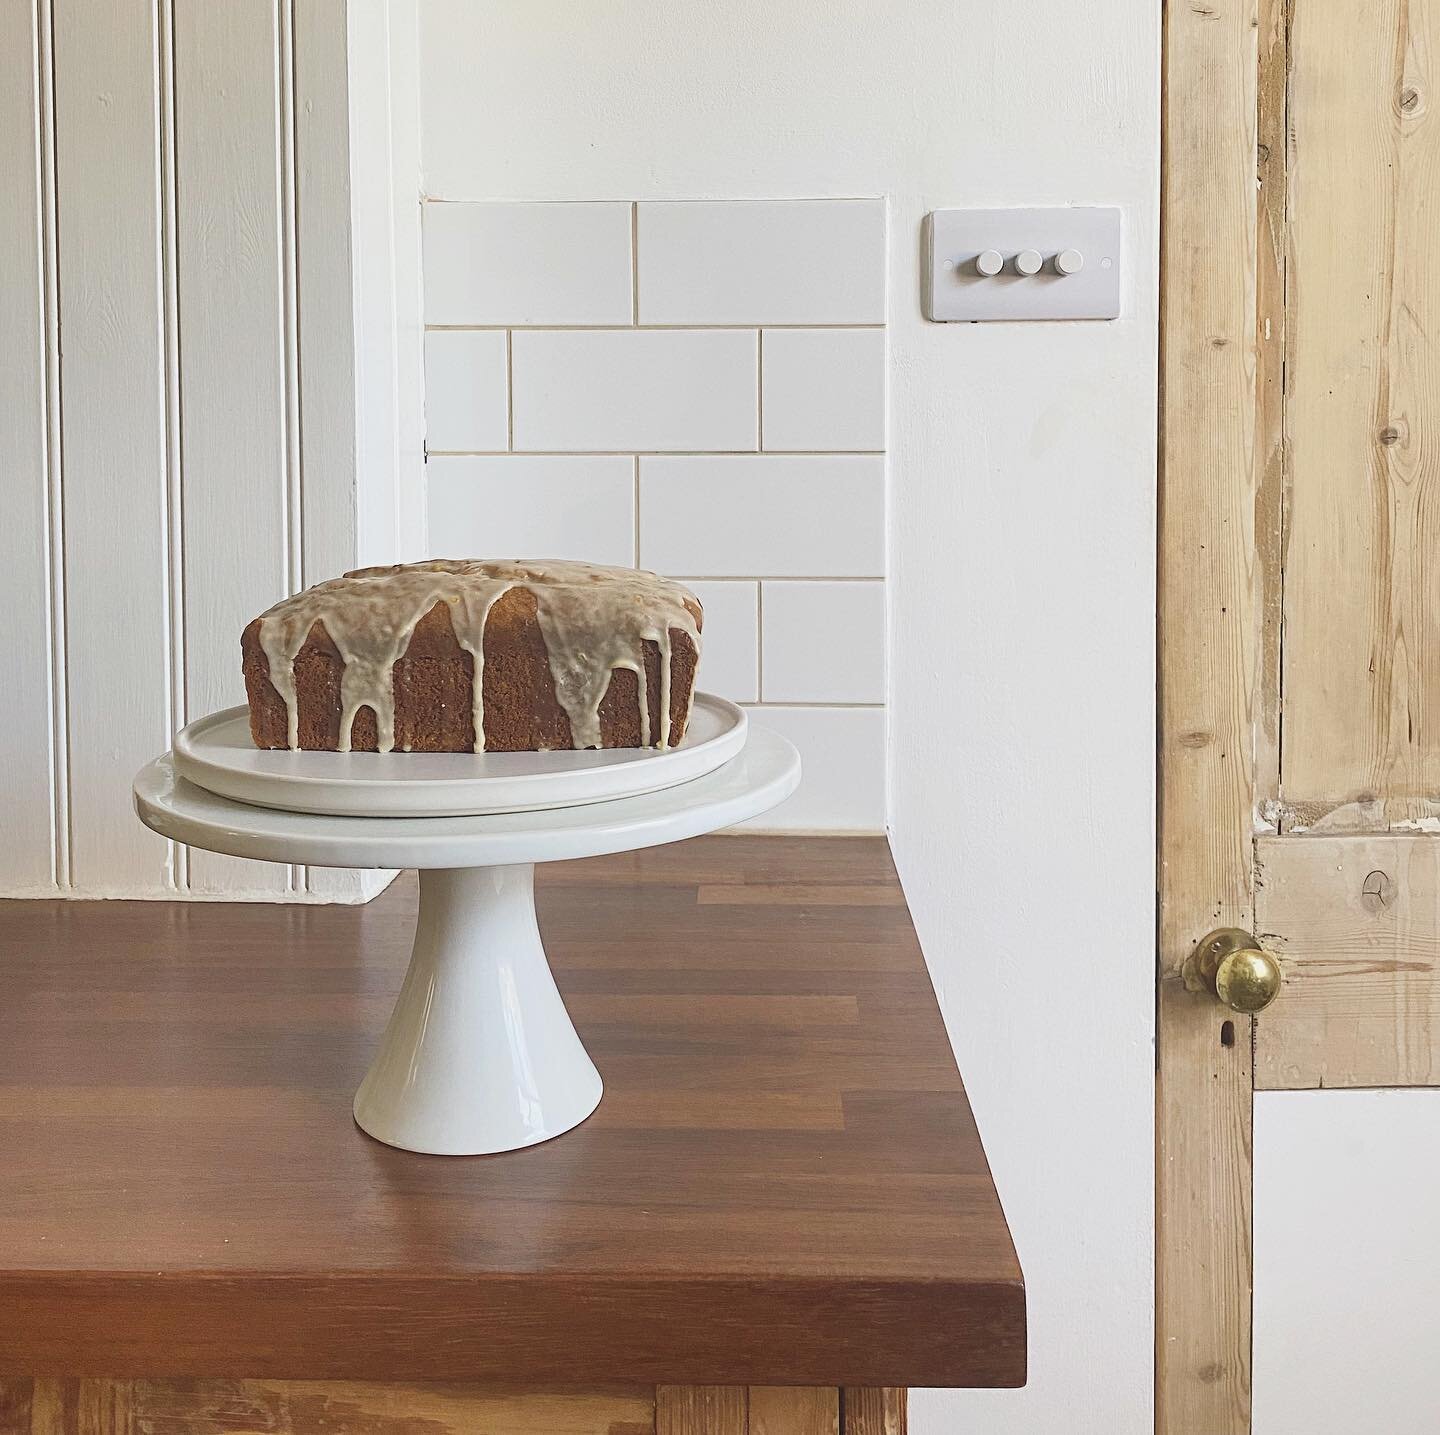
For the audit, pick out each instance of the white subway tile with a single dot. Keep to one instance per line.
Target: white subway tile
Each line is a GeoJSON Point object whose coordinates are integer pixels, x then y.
{"type": "Point", "coordinates": [824, 642]}
{"type": "Point", "coordinates": [823, 389]}
{"type": "Point", "coordinates": [764, 515]}
{"type": "Point", "coordinates": [730, 659]}
{"type": "Point", "coordinates": [527, 263]}
{"type": "Point", "coordinates": [762, 262]}
{"type": "Point", "coordinates": [519, 506]}
{"type": "Point", "coordinates": [465, 399]}
{"type": "Point", "coordinates": [842, 781]}
{"type": "Point", "coordinates": [630, 389]}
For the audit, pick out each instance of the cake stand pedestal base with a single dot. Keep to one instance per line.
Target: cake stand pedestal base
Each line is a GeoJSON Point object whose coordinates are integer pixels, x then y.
{"type": "Point", "coordinates": [480, 1054]}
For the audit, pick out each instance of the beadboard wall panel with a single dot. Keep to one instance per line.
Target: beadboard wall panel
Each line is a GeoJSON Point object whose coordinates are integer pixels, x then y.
{"type": "Point", "coordinates": [28, 852]}
{"type": "Point", "coordinates": [193, 452]}
{"type": "Point", "coordinates": [114, 427]}
{"type": "Point", "coordinates": [327, 388]}
{"type": "Point", "coordinates": [324, 304]}
{"type": "Point", "coordinates": [241, 524]}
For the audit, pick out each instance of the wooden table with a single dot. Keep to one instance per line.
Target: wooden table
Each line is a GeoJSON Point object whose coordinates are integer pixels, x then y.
{"type": "Point", "coordinates": [783, 1186]}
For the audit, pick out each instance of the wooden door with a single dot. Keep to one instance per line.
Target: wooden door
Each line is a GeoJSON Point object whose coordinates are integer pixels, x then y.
{"type": "Point", "coordinates": [1300, 623]}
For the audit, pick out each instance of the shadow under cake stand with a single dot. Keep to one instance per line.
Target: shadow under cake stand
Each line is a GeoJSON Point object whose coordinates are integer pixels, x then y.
{"type": "Point", "coordinates": [479, 1055]}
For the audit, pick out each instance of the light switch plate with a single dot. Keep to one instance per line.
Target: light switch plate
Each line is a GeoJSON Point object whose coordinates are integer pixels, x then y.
{"type": "Point", "coordinates": [958, 291]}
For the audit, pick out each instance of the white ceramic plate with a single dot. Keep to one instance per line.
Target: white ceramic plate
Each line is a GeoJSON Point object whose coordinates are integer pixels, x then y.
{"type": "Point", "coordinates": [217, 753]}
{"type": "Point", "coordinates": [763, 773]}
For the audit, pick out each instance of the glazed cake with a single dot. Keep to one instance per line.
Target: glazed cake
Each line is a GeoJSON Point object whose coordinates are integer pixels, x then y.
{"type": "Point", "coordinates": [460, 655]}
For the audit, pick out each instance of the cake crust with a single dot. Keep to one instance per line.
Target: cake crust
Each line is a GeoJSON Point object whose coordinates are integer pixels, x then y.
{"type": "Point", "coordinates": [432, 681]}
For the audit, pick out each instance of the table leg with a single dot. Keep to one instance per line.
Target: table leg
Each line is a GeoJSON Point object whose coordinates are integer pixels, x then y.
{"type": "Point", "coordinates": [480, 1054]}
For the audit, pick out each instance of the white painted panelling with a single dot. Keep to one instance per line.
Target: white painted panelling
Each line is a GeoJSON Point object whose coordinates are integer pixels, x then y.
{"type": "Point", "coordinates": [466, 404]}
{"type": "Point", "coordinates": [635, 389]}
{"type": "Point", "coordinates": [1347, 1262]}
{"type": "Point", "coordinates": [326, 392]}
{"type": "Point", "coordinates": [730, 651]}
{"type": "Point", "coordinates": [792, 515]}
{"type": "Point", "coordinates": [767, 262]}
{"type": "Point", "coordinates": [27, 834]}
{"type": "Point", "coordinates": [523, 506]}
{"type": "Point", "coordinates": [113, 426]}
{"type": "Point", "coordinates": [325, 311]}
{"type": "Point", "coordinates": [512, 264]}
{"type": "Point", "coordinates": [199, 159]}
{"type": "Point", "coordinates": [823, 642]}
{"type": "Point", "coordinates": [823, 389]}
{"type": "Point", "coordinates": [384, 166]}
{"type": "Point", "coordinates": [842, 782]}
{"type": "Point", "coordinates": [241, 512]}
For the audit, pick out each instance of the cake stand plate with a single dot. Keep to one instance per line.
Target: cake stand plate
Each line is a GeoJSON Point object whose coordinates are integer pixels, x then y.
{"type": "Point", "coordinates": [217, 753]}
{"type": "Point", "coordinates": [480, 1055]}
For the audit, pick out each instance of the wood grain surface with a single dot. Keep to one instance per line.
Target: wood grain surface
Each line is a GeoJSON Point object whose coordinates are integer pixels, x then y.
{"type": "Point", "coordinates": [315, 1407]}
{"type": "Point", "coordinates": [794, 1410]}
{"type": "Point", "coordinates": [701, 1410]}
{"type": "Point", "coordinates": [873, 1411]}
{"type": "Point", "coordinates": [1211, 658]}
{"type": "Point", "coordinates": [1355, 922]}
{"type": "Point", "coordinates": [783, 1185]}
{"type": "Point", "coordinates": [1362, 625]}
{"type": "Point", "coordinates": [99, 1406]}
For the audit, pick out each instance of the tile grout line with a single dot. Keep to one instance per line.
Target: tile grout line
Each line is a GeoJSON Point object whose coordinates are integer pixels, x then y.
{"type": "Point", "coordinates": [657, 452]}
{"type": "Point", "coordinates": [759, 641]}
{"type": "Point", "coordinates": [760, 390]}
{"type": "Point", "coordinates": [808, 703]}
{"type": "Point", "coordinates": [698, 327]}
{"type": "Point", "coordinates": [635, 263]}
{"type": "Point", "coordinates": [635, 321]}
{"type": "Point", "coordinates": [509, 395]}
{"type": "Point", "coordinates": [781, 578]}
{"type": "Point", "coordinates": [504, 201]}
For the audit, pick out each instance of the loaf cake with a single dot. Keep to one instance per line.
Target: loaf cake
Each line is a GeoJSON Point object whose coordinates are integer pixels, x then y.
{"type": "Point", "coordinates": [460, 655]}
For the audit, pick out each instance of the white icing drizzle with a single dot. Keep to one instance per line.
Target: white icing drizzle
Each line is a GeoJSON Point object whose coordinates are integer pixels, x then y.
{"type": "Point", "coordinates": [593, 619]}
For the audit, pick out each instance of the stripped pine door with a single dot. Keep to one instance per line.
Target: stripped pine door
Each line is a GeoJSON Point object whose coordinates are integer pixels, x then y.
{"type": "Point", "coordinates": [1300, 701]}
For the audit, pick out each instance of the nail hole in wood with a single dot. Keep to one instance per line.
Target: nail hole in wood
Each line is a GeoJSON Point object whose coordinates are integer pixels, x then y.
{"type": "Point", "coordinates": [1227, 1033]}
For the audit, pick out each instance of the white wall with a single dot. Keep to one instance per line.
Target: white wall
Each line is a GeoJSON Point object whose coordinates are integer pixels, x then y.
{"type": "Point", "coordinates": [1021, 481]}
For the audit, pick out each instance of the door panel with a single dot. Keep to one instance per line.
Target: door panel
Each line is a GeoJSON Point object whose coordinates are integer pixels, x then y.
{"type": "Point", "coordinates": [1345, 1303]}
{"type": "Point", "coordinates": [1356, 924]}
{"type": "Point", "coordinates": [1361, 667]}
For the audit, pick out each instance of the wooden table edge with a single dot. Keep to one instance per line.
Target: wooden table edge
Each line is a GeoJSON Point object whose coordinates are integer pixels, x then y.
{"type": "Point", "coordinates": [380, 1326]}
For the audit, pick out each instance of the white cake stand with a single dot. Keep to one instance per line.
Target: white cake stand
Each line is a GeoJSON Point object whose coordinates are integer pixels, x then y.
{"type": "Point", "coordinates": [480, 1054]}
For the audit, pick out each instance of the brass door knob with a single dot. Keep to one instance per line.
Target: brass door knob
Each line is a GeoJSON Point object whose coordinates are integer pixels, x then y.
{"type": "Point", "coordinates": [1232, 964]}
